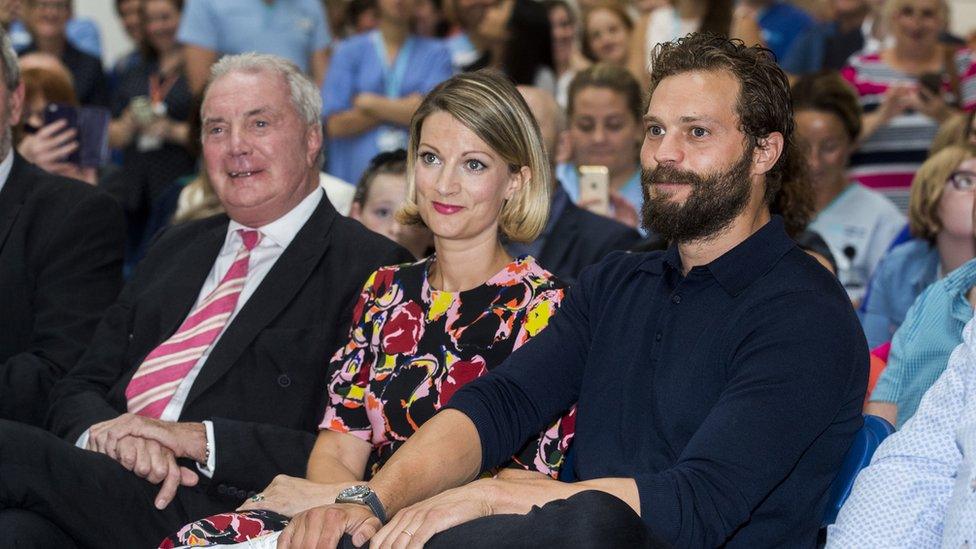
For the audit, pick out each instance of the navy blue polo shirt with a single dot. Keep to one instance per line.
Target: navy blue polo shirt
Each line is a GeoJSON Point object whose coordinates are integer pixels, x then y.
{"type": "Point", "coordinates": [730, 395]}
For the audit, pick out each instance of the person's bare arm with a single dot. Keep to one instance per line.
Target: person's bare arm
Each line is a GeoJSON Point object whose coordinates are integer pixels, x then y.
{"type": "Point", "coordinates": [397, 111]}
{"type": "Point", "coordinates": [886, 410]}
{"type": "Point", "coordinates": [349, 123]}
{"type": "Point", "coordinates": [337, 457]}
{"type": "Point", "coordinates": [318, 65]}
{"type": "Point", "coordinates": [197, 67]}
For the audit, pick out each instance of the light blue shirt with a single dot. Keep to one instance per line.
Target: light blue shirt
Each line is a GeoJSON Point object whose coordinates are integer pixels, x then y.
{"type": "Point", "coordinates": [82, 33]}
{"type": "Point", "coordinates": [293, 29]}
{"type": "Point", "coordinates": [921, 347]}
{"type": "Point", "coordinates": [463, 52]}
{"type": "Point", "coordinates": [356, 67]}
{"type": "Point", "coordinates": [900, 278]}
{"type": "Point", "coordinates": [920, 489]}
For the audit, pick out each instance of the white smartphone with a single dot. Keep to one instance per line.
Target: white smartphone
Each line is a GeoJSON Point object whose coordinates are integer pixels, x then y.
{"type": "Point", "coordinates": [594, 189]}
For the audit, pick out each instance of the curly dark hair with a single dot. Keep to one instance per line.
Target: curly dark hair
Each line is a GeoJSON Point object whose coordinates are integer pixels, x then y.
{"type": "Point", "coordinates": [763, 105]}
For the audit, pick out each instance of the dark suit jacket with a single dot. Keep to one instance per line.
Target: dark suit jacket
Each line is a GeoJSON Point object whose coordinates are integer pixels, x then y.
{"type": "Point", "coordinates": [264, 383]}
{"type": "Point", "coordinates": [60, 268]}
{"type": "Point", "coordinates": [581, 238]}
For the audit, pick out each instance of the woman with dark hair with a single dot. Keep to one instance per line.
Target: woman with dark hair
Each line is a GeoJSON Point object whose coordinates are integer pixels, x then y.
{"type": "Point", "coordinates": [151, 107]}
{"type": "Point", "coordinates": [859, 224]}
{"type": "Point", "coordinates": [605, 111]}
{"type": "Point", "coordinates": [566, 57]}
{"type": "Point", "coordinates": [520, 38]}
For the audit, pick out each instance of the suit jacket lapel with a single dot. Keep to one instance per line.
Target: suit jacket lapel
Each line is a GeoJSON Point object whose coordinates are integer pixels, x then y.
{"type": "Point", "coordinates": [562, 239]}
{"type": "Point", "coordinates": [12, 197]}
{"type": "Point", "coordinates": [200, 256]}
{"type": "Point", "coordinates": [276, 292]}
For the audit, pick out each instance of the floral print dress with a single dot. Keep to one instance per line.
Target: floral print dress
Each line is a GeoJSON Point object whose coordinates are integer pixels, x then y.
{"type": "Point", "coordinates": [411, 347]}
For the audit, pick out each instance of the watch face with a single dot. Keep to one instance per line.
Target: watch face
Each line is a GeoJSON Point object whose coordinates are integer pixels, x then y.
{"type": "Point", "coordinates": [355, 492]}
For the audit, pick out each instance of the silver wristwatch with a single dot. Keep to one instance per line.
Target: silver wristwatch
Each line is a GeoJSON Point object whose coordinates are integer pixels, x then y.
{"type": "Point", "coordinates": [363, 495]}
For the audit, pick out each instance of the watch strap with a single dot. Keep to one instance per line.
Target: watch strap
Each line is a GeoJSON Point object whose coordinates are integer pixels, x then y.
{"type": "Point", "coordinates": [373, 502]}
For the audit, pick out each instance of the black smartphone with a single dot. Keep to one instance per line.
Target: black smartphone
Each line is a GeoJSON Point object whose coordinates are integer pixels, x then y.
{"type": "Point", "coordinates": [931, 82]}
{"type": "Point", "coordinates": [57, 111]}
{"type": "Point", "coordinates": [91, 130]}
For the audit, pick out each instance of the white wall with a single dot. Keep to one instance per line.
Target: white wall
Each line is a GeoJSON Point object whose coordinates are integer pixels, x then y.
{"type": "Point", "coordinates": [962, 19]}
{"type": "Point", "coordinates": [114, 40]}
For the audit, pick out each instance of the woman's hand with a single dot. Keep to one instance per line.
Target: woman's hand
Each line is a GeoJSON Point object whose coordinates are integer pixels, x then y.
{"type": "Point", "coordinates": [932, 105]}
{"type": "Point", "coordinates": [50, 145]}
{"type": "Point", "coordinates": [415, 525]}
{"type": "Point", "coordinates": [290, 495]}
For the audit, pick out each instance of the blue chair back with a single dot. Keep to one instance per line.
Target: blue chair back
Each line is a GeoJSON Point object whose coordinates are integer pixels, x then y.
{"type": "Point", "coordinates": [858, 457]}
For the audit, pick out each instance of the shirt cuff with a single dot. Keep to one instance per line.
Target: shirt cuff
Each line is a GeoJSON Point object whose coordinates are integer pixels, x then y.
{"type": "Point", "coordinates": [208, 469]}
{"type": "Point", "coordinates": [83, 440]}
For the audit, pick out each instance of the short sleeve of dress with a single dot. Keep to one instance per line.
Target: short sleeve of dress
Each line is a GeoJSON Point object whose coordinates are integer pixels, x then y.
{"type": "Point", "coordinates": [350, 367]}
{"type": "Point", "coordinates": [544, 453]}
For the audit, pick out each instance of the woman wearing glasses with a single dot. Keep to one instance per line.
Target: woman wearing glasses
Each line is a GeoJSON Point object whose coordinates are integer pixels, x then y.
{"type": "Point", "coordinates": [940, 221]}
{"type": "Point", "coordinates": [942, 213]}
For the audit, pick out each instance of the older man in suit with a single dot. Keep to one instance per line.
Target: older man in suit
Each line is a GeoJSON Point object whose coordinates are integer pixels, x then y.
{"type": "Point", "coordinates": [206, 378]}
{"type": "Point", "coordinates": [60, 265]}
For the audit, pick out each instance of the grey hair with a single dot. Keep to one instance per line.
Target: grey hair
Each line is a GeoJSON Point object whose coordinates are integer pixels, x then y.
{"type": "Point", "coordinates": [305, 96]}
{"type": "Point", "coordinates": [11, 68]}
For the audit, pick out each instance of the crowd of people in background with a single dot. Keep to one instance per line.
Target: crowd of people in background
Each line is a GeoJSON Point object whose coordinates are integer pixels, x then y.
{"type": "Point", "coordinates": [548, 124]}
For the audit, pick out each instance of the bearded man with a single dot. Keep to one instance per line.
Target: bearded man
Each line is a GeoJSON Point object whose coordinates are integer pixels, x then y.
{"type": "Point", "coordinates": [719, 383]}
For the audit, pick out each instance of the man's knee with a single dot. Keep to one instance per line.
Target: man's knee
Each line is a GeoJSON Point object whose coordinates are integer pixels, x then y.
{"type": "Point", "coordinates": [26, 530]}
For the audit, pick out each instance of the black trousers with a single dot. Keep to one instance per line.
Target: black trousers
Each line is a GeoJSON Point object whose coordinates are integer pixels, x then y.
{"type": "Point", "coordinates": [52, 491]}
{"type": "Point", "coordinates": [588, 520]}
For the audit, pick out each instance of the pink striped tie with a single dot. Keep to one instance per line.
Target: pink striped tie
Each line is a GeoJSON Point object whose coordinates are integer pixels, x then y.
{"type": "Point", "coordinates": [162, 371]}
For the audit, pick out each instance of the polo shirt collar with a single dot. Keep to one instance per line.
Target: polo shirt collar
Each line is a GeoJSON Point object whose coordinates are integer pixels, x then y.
{"type": "Point", "coordinates": [742, 265]}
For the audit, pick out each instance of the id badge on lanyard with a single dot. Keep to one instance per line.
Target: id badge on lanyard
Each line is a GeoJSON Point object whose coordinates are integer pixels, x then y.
{"type": "Point", "coordinates": [391, 137]}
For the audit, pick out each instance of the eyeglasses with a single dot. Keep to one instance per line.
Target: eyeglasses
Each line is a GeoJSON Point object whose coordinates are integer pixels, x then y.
{"type": "Point", "coordinates": [963, 181]}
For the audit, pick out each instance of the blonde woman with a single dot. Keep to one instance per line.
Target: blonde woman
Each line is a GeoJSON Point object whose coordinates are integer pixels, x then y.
{"type": "Point", "coordinates": [477, 173]}
{"type": "Point", "coordinates": [941, 223]}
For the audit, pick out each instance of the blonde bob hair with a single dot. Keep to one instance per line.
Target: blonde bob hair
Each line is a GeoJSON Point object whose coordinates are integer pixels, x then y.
{"type": "Point", "coordinates": [927, 188]}
{"type": "Point", "coordinates": [488, 104]}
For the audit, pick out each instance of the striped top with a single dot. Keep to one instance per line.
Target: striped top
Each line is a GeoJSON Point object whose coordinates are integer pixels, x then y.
{"type": "Point", "coordinates": [887, 160]}
{"type": "Point", "coordinates": [921, 347]}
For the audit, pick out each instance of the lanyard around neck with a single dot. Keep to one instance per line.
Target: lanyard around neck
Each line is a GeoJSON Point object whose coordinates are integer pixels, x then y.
{"type": "Point", "coordinates": [393, 76]}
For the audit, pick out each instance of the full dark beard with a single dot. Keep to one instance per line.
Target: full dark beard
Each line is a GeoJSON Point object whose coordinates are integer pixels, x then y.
{"type": "Point", "coordinates": [715, 200]}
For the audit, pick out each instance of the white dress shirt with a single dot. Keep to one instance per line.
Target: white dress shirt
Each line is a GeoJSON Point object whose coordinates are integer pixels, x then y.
{"type": "Point", "coordinates": [275, 238]}
{"type": "Point", "coordinates": [5, 167]}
